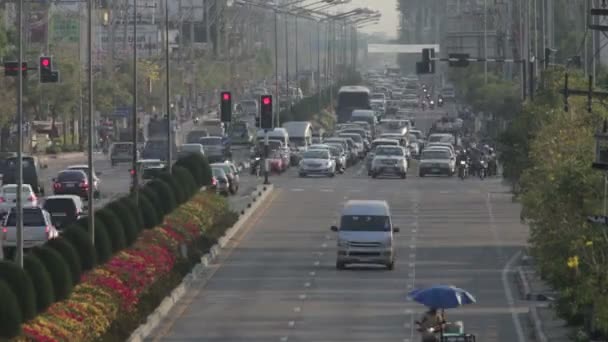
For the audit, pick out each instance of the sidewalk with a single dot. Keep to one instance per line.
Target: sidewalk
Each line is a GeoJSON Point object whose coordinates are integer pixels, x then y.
{"type": "Point", "coordinates": [542, 323]}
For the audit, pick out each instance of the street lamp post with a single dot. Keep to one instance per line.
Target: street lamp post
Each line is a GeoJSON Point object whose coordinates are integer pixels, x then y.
{"type": "Point", "coordinates": [276, 67]}
{"type": "Point", "coordinates": [135, 173]}
{"type": "Point", "coordinates": [296, 51]}
{"type": "Point", "coordinates": [90, 192]}
{"type": "Point", "coordinates": [286, 67]}
{"type": "Point", "coordinates": [19, 166]}
{"type": "Point", "coordinates": [168, 90]}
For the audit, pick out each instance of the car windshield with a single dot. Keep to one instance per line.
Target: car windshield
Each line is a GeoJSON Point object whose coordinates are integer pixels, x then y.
{"type": "Point", "coordinates": [59, 205]}
{"type": "Point", "coordinates": [385, 142]}
{"type": "Point", "coordinates": [437, 154]}
{"type": "Point", "coordinates": [413, 138]}
{"type": "Point", "coordinates": [123, 148]}
{"type": "Point", "coordinates": [365, 223]}
{"type": "Point", "coordinates": [210, 141]}
{"type": "Point", "coordinates": [439, 138]}
{"type": "Point", "coordinates": [316, 154]}
{"type": "Point", "coordinates": [71, 176]}
{"type": "Point", "coordinates": [356, 137]}
{"type": "Point", "coordinates": [297, 141]}
{"type": "Point", "coordinates": [32, 218]}
{"type": "Point", "coordinates": [224, 167]}
{"type": "Point", "coordinates": [26, 161]}
{"type": "Point", "coordinates": [25, 189]}
{"type": "Point", "coordinates": [388, 151]}
{"type": "Point", "coordinates": [217, 172]}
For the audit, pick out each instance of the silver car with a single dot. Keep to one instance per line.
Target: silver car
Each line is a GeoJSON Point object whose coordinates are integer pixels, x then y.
{"type": "Point", "coordinates": [37, 229]}
{"type": "Point", "coordinates": [317, 162]}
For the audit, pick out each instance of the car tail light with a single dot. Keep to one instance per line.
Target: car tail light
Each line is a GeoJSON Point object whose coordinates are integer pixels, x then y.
{"type": "Point", "coordinates": [213, 181]}
{"type": "Point", "coordinates": [47, 230]}
{"type": "Point", "coordinates": [32, 198]}
{"type": "Point", "coordinates": [57, 185]}
{"type": "Point", "coordinates": [84, 185]}
{"type": "Point", "coordinates": [5, 230]}
{"type": "Point", "coordinates": [2, 200]}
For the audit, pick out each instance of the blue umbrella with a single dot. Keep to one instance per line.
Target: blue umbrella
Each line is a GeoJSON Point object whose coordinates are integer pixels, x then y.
{"type": "Point", "coordinates": [442, 297]}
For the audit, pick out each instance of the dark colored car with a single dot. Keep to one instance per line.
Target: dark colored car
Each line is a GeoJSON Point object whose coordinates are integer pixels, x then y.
{"type": "Point", "coordinates": [64, 209]}
{"type": "Point", "coordinates": [31, 173]}
{"type": "Point", "coordinates": [72, 182]}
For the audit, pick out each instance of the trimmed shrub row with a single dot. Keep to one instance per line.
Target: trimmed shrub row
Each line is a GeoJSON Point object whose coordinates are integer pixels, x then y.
{"type": "Point", "coordinates": [51, 272]}
{"type": "Point", "coordinates": [113, 299]}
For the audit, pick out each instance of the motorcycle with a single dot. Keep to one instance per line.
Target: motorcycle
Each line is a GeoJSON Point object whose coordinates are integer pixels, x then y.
{"type": "Point", "coordinates": [463, 169]}
{"type": "Point", "coordinates": [440, 102]}
{"type": "Point", "coordinates": [483, 169]}
{"type": "Point", "coordinates": [256, 166]}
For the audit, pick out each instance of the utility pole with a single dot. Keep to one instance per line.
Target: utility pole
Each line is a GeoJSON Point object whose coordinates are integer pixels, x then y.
{"type": "Point", "coordinates": [135, 175]}
{"type": "Point", "coordinates": [319, 66]}
{"type": "Point", "coordinates": [19, 213]}
{"type": "Point", "coordinates": [278, 124]}
{"type": "Point", "coordinates": [297, 85]}
{"type": "Point", "coordinates": [485, 40]}
{"type": "Point", "coordinates": [90, 194]}
{"type": "Point", "coordinates": [276, 66]}
{"type": "Point", "coordinates": [168, 91]}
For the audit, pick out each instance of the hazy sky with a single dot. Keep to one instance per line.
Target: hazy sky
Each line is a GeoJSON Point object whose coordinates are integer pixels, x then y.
{"type": "Point", "coordinates": [388, 21]}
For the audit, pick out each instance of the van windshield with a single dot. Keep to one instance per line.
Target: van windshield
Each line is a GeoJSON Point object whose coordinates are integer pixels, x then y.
{"type": "Point", "coordinates": [365, 223]}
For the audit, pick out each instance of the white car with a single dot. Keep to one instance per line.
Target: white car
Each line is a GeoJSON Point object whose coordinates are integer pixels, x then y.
{"type": "Point", "coordinates": [389, 160]}
{"type": "Point", "coordinates": [8, 197]}
{"type": "Point", "coordinates": [436, 161]}
{"type": "Point", "coordinates": [317, 162]}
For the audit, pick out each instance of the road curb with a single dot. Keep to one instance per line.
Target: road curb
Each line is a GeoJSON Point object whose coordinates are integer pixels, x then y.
{"type": "Point", "coordinates": [524, 289]}
{"type": "Point", "coordinates": [259, 195]}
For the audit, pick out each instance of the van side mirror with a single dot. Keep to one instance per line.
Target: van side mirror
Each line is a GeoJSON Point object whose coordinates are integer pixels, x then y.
{"type": "Point", "coordinates": [334, 228]}
{"type": "Point", "coordinates": [396, 229]}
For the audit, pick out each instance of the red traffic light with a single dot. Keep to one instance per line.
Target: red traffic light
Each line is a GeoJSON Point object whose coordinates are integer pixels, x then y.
{"type": "Point", "coordinates": [226, 96]}
{"type": "Point", "coordinates": [132, 172]}
{"type": "Point", "coordinates": [266, 101]}
{"type": "Point", "coordinates": [45, 62]}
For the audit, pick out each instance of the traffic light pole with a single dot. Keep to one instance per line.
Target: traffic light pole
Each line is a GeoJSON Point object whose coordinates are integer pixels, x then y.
{"type": "Point", "coordinates": [91, 209]}
{"type": "Point", "coordinates": [135, 180]}
{"type": "Point", "coordinates": [168, 89]}
{"type": "Point", "coordinates": [19, 169]}
{"type": "Point", "coordinates": [266, 152]}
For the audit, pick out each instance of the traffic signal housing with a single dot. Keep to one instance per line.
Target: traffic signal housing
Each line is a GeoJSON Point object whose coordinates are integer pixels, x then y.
{"type": "Point", "coordinates": [226, 106]}
{"type": "Point", "coordinates": [12, 69]}
{"type": "Point", "coordinates": [462, 60]}
{"type": "Point", "coordinates": [427, 66]}
{"type": "Point", "coordinates": [266, 112]}
{"type": "Point", "coordinates": [47, 74]}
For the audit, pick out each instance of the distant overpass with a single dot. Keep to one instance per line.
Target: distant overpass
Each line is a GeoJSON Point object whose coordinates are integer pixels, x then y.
{"type": "Point", "coordinates": [400, 48]}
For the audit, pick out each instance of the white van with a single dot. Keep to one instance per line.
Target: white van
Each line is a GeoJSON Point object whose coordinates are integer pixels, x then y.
{"type": "Point", "coordinates": [365, 115]}
{"type": "Point", "coordinates": [277, 133]}
{"type": "Point", "coordinates": [365, 234]}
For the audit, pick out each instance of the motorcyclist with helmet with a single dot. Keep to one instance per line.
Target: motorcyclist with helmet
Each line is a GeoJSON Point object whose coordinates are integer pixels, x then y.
{"type": "Point", "coordinates": [462, 157]}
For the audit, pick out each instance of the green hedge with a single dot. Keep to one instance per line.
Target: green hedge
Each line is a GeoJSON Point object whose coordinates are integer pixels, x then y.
{"type": "Point", "coordinates": [21, 284]}
{"type": "Point", "coordinates": [70, 255]}
{"type": "Point", "coordinates": [151, 217]}
{"type": "Point", "coordinates": [51, 271]}
{"type": "Point", "coordinates": [10, 311]}
{"type": "Point", "coordinates": [112, 223]}
{"type": "Point", "coordinates": [187, 181]}
{"type": "Point", "coordinates": [81, 240]}
{"type": "Point", "coordinates": [130, 225]}
{"type": "Point", "coordinates": [134, 210]}
{"type": "Point", "coordinates": [180, 193]}
{"type": "Point", "coordinates": [156, 201]}
{"type": "Point", "coordinates": [164, 192]}
{"type": "Point", "coordinates": [41, 279]}
{"type": "Point", "coordinates": [58, 269]}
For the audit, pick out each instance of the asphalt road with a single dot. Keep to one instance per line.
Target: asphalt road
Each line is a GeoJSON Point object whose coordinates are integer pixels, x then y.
{"type": "Point", "coordinates": [279, 281]}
